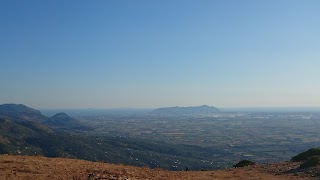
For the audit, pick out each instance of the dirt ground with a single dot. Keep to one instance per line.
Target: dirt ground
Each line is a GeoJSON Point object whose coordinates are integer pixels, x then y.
{"type": "Point", "coordinates": [32, 167]}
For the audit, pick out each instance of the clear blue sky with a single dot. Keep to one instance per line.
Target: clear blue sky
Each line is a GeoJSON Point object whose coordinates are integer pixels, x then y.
{"type": "Point", "coordinates": [109, 54]}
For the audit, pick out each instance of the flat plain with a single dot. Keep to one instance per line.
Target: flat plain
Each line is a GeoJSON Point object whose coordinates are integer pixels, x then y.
{"type": "Point", "coordinates": [261, 137]}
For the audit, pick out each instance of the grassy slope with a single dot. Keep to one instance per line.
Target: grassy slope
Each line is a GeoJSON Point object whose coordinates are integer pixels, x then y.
{"type": "Point", "coordinates": [32, 167]}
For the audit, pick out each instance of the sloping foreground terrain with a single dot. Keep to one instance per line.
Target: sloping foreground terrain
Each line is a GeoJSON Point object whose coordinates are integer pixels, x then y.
{"type": "Point", "coordinates": [36, 167]}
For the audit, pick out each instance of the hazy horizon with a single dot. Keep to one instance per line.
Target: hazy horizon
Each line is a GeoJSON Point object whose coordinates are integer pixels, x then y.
{"type": "Point", "coordinates": [223, 108]}
{"type": "Point", "coordinates": [151, 54]}
{"type": "Point", "coordinates": [143, 111]}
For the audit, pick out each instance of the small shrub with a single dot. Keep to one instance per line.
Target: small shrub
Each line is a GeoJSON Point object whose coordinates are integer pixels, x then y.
{"type": "Point", "coordinates": [306, 155]}
{"type": "Point", "coordinates": [91, 176]}
{"type": "Point", "coordinates": [244, 163]}
{"type": "Point", "coordinates": [311, 162]}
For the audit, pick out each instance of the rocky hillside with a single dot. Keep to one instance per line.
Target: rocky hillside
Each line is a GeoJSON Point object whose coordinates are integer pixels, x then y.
{"type": "Point", "coordinates": [35, 167]}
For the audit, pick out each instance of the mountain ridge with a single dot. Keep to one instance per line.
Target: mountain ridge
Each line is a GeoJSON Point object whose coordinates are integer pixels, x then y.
{"type": "Point", "coordinates": [20, 112]}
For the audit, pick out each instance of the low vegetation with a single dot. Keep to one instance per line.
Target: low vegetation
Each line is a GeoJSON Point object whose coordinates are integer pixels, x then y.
{"type": "Point", "coordinates": [244, 163]}
{"type": "Point", "coordinates": [310, 158]}
{"type": "Point", "coordinates": [306, 155]}
{"type": "Point", "coordinates": [311, 162]}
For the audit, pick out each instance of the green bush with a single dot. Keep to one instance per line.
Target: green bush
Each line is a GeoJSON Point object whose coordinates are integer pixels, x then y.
{"type": "Point", "coordinates": [306, 155]}
{"type": "Point", "coordinates": [311, 162]}
{"type": "Point", "coordinates": [244, 163]}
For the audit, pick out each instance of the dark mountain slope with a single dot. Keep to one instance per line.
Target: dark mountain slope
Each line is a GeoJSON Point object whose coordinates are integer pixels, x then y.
{"type": "Point", "coordinates": [13, 135]}
{"type": "Point", "coordinates": [20, 112]}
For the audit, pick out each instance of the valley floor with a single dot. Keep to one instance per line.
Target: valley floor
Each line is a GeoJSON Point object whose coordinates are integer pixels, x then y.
{"type": "Point", "coordinates": [34, 167]}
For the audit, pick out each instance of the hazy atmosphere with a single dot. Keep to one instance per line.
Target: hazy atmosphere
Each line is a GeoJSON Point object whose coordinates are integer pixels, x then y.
{"type": "Point", "coordinates": [147, 54]}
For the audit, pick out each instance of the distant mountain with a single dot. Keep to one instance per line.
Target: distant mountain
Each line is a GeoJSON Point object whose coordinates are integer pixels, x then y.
{"type": "Point", "coordinates": [20, 112]}
{"type": "Point", "coordinates": [192, 110]}
{"type": "Point", "coordinates": [60, 119]}
{"type": "Point", "coordinates": [64, 121]}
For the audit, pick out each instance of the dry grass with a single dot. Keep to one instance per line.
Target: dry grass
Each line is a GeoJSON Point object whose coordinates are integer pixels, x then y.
{"type": "Point", "coordinates": [31, 167]}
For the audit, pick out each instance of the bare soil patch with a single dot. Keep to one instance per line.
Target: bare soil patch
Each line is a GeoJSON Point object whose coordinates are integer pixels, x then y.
{"type": "Point", "coordinates": [34, 167]}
